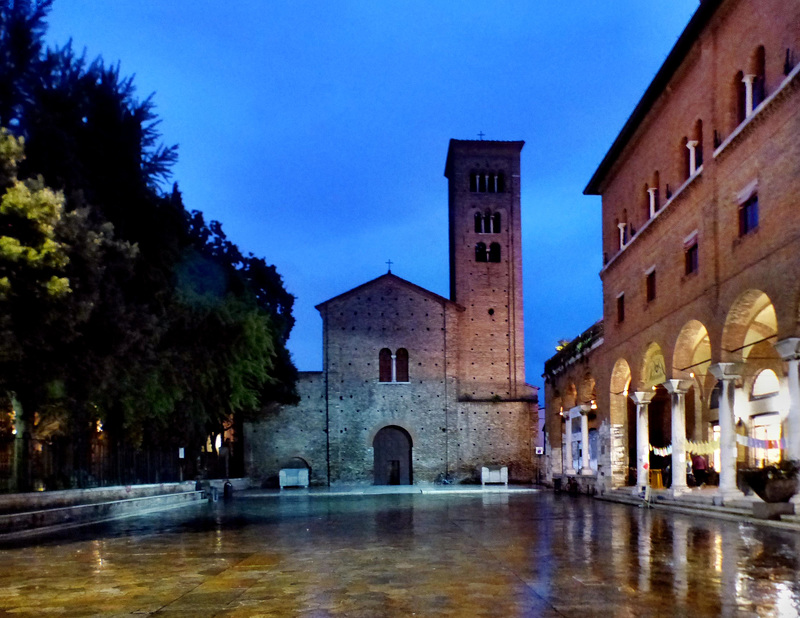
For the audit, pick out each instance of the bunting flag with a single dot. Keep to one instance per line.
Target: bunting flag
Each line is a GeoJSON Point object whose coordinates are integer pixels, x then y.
{"type": "Point", "coordinates": [708, 447]}
{"type": "Point", "coordinates": [702, 448]}
{"type": "Point", "coordinates": [758, 443]}
{"type": "Point", "coordinates": [661, 451]}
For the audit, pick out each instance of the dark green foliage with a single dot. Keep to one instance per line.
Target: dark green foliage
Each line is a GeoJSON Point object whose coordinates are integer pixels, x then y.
{"type": "Point", "coordinates": [168, 330]}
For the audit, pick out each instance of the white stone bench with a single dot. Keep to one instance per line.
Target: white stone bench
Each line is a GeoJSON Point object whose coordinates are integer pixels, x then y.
{"type": "Point", "coordinates": [293, 477]}
{"type": "Point", "coordinates": [494, 474]}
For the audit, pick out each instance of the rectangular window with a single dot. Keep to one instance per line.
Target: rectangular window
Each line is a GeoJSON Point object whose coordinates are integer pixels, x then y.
{"type": "Point", "coordinates": [650, 286]}
{"type": "Point", "coordinates": [748, 215]}
{"type": "Point", "coordinates": [621, 308]}
{"type": "Point", "coordinates": [691, 259]}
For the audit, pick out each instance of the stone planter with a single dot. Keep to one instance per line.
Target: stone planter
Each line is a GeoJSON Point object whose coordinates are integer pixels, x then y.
{"type": "Point", "coordinates": [770, 489]}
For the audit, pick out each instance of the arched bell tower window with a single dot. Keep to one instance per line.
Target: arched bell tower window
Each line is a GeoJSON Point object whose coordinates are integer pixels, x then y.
{"type": "Point", "coordinates": [487, 182]}
{"type": "Point", "coordinates": [487, 223]}
{"type": "Point", "coordinates": [494, 252]}
{"type": "Point", "coordinates": [385, 364]}
{"type": "Point", "coordinates": [401, 365]}
{"type": "Point", "coordinates": [480, 252]}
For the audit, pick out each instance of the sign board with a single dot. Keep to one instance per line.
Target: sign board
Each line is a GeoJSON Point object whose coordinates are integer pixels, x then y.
{"type": "Point", "coordinates": [180, 453]}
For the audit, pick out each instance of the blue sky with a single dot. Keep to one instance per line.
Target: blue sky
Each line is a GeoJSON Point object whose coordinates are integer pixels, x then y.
{"type": "Point", "coordinates": [316, 132]}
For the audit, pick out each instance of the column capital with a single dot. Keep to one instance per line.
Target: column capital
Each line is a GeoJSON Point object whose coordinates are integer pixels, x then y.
{"type": "Point", "coordinates": [789, 348]}
{"type": "Point", "coordinates": [692, 144]}
{"type": "Point", "coordinates": [652, 190]}
{"type": "Point", "coordinates": [748, 79]}
{"type": "Point", "coordinates": [726, 371]}
{"type": "Point", "coordinates": [622, 225]}
{"type": "Point", "coordinates": [677, 386]}
{"type": "Point", "coordinates": [641, 397]}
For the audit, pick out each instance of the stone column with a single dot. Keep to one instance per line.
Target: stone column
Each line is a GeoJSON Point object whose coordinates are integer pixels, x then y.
{"type": "Point", "coordinates": [748, 94]}
{"type": "Point", "coordinates": [678, 389]}
{"type": "Point", "coordinates": [586, 468]}
{"type": "Point", "coordinates": [621, 227]}
{"type": "Point", "coordinates": [642, 400]}
{"type": "Point", "coordinates": [652, 192]}
{"type": "Point", "coordinates": [692, 145]}
{"type": "Point", "coordinates": [568, 469]}
{"type": "Point", "coordinates": [789, 349]}
{"type": "Point", "coordinates": [727, 373]}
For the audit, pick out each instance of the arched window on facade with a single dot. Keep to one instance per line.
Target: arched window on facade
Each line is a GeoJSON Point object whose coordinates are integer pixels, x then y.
{"type": "Point", "coordinates": [698, 149]}
{"type": "Point", "coordinates": [501, 182]}
{"type": "Point", "coordinates": [686, 171]}
{"type": "Point", "coordinates": [385, 365]}
{"type": "Point", "coordinates": [494, 252]}
{"type": "Point", "coordinates": [740, 97]}
{"type": "Point", "coordinates": [766, 384]}
{"type": "Point", "coordinates": [401, 365]}
{"type": "Point", "coordinates": [478, 223]}
{"type": "Point", "coordinates": [758, 65]}
{"type": "Point", "coordinates": [496, 223]}
{"type": "Point", "coordinates": [716, 393]}
{"type": "Point", "coordinates": [480, 252]}
{"type": "Point", "coordinates": [626, 229]}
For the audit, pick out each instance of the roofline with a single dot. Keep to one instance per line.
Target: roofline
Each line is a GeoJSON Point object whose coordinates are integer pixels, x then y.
{"type": "Point", "coordinates": [696, 25]}
{"type": "Point", "coordinates": [389, 275]}
{"type": "Point", "coordinates": [488, 144]}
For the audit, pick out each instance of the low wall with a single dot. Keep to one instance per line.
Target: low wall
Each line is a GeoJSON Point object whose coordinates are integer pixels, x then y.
{"type": "Point", "coordinates": [37, 500]}
{"type": "Point", "coordinates": [36, 522]}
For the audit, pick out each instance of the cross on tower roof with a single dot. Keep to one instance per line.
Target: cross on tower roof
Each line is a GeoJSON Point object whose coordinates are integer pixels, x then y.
{"type": "Point", "coordinates": [389, 263]}
{"type": "Point", "coordinates": [481, 134]}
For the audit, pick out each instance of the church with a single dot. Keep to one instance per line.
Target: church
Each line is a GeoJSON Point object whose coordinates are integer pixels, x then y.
{"type": "Point", "coordinates": [416, 387]}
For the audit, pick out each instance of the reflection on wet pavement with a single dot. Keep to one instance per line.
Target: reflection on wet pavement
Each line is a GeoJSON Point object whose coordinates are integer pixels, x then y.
{"type": "Point", "coordinates": [402, 555]}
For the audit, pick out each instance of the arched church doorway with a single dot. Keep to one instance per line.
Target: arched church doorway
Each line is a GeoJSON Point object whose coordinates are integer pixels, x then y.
{"type": "Point", "coordinates": [392, 452]}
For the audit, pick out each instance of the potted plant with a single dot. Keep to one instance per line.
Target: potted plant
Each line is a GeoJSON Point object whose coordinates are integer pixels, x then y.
{"type": "Point", "coordinates": [774, 483]}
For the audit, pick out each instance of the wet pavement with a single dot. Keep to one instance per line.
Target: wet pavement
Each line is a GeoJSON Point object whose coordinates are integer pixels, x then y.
{"type": "Point", "coordinates": [494, 554]}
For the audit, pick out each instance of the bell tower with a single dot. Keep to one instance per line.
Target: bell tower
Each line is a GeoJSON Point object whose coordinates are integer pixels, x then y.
{"type": "Point", "coordinates": [486, 266]}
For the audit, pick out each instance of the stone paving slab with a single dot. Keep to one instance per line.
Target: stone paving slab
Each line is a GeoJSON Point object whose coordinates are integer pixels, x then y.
{"type": "Point", "coordinates": [452, 554]}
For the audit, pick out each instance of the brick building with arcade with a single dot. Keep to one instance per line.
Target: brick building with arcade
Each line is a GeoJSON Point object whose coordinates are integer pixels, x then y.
{"type": "Point", "coordinates": [699, 345]}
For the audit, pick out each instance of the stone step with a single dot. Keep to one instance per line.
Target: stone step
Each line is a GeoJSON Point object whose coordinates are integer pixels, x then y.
{"type": "Point", "coordinates": [17, 525]}
{"type": "Point", "coordinates": [41, 500]}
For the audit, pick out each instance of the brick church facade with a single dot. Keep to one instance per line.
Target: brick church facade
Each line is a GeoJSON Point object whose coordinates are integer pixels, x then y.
{"type": "Point", "coordinates": [416, 386]}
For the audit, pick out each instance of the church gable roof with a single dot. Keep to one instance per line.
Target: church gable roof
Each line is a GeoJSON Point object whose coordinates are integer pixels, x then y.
{"type": "Point", "coordinates": [392, 280]}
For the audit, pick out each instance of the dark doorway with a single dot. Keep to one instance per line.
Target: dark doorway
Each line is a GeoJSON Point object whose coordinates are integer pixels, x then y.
{"type": "Point", "coordinates": [632, 464]}
{"type": "Point", "coordinates": [392, 448]}
{"type": "Point", "coordinates": [660, 421]}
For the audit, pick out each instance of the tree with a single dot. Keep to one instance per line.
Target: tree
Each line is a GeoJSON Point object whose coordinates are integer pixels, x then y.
{"type": "Point", "coordinates": [51, 276]}
{"type": "Point", "coordinates": [155, 323]}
